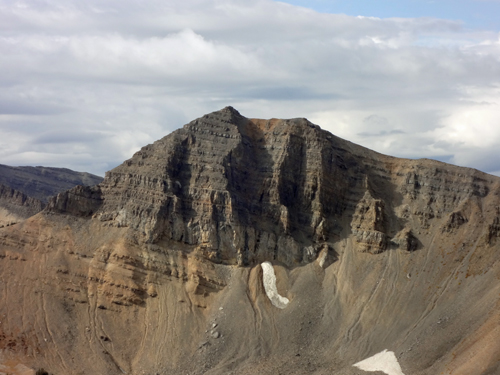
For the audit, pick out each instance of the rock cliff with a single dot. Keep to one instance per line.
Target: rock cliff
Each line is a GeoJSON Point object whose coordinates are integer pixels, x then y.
{"type": "Point", "coordinates": [16, 206]}
{"type": "Point", "coordinates": [161, 261]}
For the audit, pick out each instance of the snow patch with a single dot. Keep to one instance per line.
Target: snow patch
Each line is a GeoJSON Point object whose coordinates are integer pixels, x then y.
{"type": "Point", "coordinates": [384, 361]}
{"type": "Point", "coordinates": [269, 281]}
{"type": "Point", "coordinates": [322, 257]}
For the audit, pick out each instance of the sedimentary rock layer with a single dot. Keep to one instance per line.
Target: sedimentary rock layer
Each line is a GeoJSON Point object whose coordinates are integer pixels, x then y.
{"type": "Point", "coordinates": [157, 269]}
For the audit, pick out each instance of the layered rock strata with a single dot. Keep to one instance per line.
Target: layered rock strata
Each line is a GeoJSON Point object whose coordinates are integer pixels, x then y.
{"type": "Point", "coordinates": [162, 260]}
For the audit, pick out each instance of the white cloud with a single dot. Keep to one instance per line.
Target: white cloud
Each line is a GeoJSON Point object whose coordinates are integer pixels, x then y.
{"type": "Point", "coordinates": [103, 78]}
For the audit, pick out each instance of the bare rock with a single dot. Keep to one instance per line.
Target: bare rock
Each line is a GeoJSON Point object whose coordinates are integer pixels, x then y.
{"type": "Point", "coordinates": [405, 240]}
{"type": "Point", "coordinates": [368, 224]}
{"type": "Point", "coordinates": [130, 275]}
{"type": "Point", "coordinates": [79, 201]}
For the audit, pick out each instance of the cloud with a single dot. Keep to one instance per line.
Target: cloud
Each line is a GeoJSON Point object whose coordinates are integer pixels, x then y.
{"type": "Point", "coordinates": [382, 133]}
{"type": "Point", "coordinates": [90, 83]}
{"type": "Point", "coordinates": [65, 136]}
{"type": "Point", "coordinates": [10, 106]}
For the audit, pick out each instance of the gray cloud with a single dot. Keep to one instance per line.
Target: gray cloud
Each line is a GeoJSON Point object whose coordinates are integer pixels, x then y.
{"type": "Point", "coordinates": [381, 133]}
{"type": "Point", "coordinates": [27, 107]}
{"type": "Point", "coordinates": [67, 136]}
{"type": "Point", "coordinates": [89, 83]}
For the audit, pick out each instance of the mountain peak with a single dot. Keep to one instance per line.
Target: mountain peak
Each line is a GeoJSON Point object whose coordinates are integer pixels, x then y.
{"type": "Point", "coordinates": [400, 254]}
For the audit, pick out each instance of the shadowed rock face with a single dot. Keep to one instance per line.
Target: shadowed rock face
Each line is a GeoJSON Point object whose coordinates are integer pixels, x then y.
{"type": "Point", "coordinates": [16, 206]}
{"type": "Point", "coordinates": [236, 190]}
{"type": "Point", "coordinates": [373, 253]}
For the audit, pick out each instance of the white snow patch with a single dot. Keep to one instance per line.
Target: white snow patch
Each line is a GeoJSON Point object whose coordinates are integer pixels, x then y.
{"type": "Point", "coordinates": [384, 361]}
{"type": "Point", "coordinates": [322, 257]}
{"type": "Point", "coordinates": [269, 281]}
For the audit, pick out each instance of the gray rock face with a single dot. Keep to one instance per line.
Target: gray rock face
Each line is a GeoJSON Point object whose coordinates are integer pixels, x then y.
{"type": "Point", "coordinates": [238, 190]}
{"type": "Point", "coordinates": [243, 191]}
{"type": "Point", "coordinates": [78, 201]}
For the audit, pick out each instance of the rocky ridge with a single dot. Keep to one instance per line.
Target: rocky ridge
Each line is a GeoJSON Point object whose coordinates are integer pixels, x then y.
{"type": "Point", "coordinates": [370, 250]}
{"type": "Point", "coordinates": [44, 182]}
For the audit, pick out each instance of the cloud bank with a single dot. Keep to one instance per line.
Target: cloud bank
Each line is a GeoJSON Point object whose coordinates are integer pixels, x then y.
{"type": "Point", "coordinates": [86, 84]}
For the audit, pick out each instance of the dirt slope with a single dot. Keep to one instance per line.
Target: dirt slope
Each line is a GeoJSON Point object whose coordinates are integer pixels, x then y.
{"type": "Point", "coordinates": [157, 269]}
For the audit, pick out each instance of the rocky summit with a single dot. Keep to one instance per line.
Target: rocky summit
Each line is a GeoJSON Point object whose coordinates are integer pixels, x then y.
{"type": "Point", "coordinates": [248, 246]}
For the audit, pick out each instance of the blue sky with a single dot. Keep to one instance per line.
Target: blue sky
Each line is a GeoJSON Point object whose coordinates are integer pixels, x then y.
{"type": "Point", "coordinates": [87, 84]}
{"type": "Point", "coordinates": [479, 14]}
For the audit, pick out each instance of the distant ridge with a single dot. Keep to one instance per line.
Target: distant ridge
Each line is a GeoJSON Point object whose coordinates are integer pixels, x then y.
{"type": "Point", "coordinates": [44, 182]}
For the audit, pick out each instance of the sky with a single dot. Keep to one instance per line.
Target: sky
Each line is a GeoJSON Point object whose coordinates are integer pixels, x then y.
{"type": "Point", "coordinates": [85, 84]}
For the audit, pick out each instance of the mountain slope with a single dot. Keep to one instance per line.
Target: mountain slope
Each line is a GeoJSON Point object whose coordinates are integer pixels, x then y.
{"type": "Point", "coordinates": [157, 269]}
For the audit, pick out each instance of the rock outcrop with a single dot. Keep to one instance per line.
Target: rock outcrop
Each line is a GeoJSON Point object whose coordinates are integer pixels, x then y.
{"type": "Point", "coordinates": [369, 225]}
{"type": "Point", "coordinates": [16, 206]}
{"type": "Point", "coordinates": [162, 260]}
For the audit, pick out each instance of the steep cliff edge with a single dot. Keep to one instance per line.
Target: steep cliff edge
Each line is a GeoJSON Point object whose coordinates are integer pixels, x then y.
{"type": "Point", "coordinates": [161, 261]}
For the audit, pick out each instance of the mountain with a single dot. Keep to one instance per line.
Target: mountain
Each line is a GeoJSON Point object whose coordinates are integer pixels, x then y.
{"type": "Point", "coordinates": [44, 182]}
{"type": "Point", "coordinates": [249, 246]}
